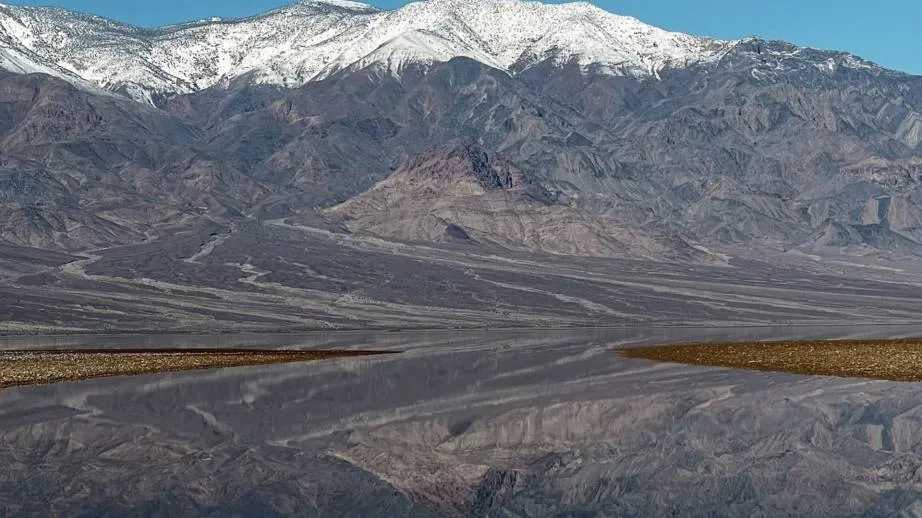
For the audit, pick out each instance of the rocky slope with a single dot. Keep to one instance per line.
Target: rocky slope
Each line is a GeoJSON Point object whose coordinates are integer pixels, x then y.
{"type": "Point", "coordinates": [775, 144]}
{"type": "Point", "coordinates": [463, 193]}
{"type": "Point", "coordinates": [623, 133]}
{"type": "Point", "coordinates": [81, 171]}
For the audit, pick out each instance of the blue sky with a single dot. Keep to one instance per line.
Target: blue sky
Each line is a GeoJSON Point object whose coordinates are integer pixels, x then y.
{"type": "Point", "coordinates": [885, 31]}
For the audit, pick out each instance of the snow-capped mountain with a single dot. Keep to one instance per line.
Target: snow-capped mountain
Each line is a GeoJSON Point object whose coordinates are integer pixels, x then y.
{"type": "Point", "coordinates": [312, 39]}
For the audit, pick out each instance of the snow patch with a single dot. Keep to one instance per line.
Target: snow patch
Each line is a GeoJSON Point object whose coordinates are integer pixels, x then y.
{"type": "Point", "coordinates": [312, 39]}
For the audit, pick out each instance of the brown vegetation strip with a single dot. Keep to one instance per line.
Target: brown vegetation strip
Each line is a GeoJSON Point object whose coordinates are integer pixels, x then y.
{"type": "Point", "coordinates": [44, 367]}
{"type": "Point", "coordinates": [895, 360]}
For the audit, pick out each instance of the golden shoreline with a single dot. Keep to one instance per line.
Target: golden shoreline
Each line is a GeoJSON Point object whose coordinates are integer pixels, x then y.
{"type": "Point", "coordinates": [45, 367]}
{"type": "Point", "coordinates": [891, 360]}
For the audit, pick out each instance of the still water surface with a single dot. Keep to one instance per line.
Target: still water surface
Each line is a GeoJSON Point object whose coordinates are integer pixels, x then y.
{"type": "Point", "coordinates": [521, 423]}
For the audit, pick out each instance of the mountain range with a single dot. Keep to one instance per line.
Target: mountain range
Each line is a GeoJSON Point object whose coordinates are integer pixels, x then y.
{"type": "Point", "coordinates": [500, 127]}
{"type": "Point", "coordinates": [311, 40]}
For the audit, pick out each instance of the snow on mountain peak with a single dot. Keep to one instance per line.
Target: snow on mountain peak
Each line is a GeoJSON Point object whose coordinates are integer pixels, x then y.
{"type": "Point", "coordinates": [313, 39]}
{"type": "Point", "coordinates": [342, 4]}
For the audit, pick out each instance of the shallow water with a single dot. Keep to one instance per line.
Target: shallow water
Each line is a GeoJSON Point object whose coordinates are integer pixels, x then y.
{"type": "Point", "coordinates": [530, 423]}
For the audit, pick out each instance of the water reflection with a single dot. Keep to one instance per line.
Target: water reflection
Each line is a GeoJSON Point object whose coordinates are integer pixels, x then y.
{"type": "Point", "coordinates": [529, 423]}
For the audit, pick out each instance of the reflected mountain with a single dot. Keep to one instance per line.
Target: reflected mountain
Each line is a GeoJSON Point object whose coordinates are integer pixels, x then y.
{"type": "Point", "coordinates": [513, 423]}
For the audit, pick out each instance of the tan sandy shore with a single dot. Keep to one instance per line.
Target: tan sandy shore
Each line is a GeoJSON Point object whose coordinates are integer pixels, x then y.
{"type": "Point", "coordinates": [895, 360]}
{"type": "Point", "coordinates": [44, 367]}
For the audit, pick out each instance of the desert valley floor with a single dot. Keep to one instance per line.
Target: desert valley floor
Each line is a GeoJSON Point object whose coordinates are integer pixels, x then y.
{"type": "Point", "coordinates": [290, 276]}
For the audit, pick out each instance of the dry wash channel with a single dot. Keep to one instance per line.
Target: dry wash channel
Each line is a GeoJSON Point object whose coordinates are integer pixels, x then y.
{"type": "Point", "coordinates": [43, 367]}
{"type": "Point", "coordinates": [894, 360]}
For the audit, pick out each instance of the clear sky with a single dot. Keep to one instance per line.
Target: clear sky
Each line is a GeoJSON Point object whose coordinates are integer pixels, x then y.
{"type": "Point", "coordinates": [885, 31]}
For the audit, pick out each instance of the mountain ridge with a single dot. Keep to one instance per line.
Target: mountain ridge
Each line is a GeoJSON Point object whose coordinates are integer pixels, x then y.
{"type": "Point", "coordinates": [577, 196]}
{"type": "Point", "coordinates": [465, 192]}
{"type": "Point", "coordinates": [310, 40]}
